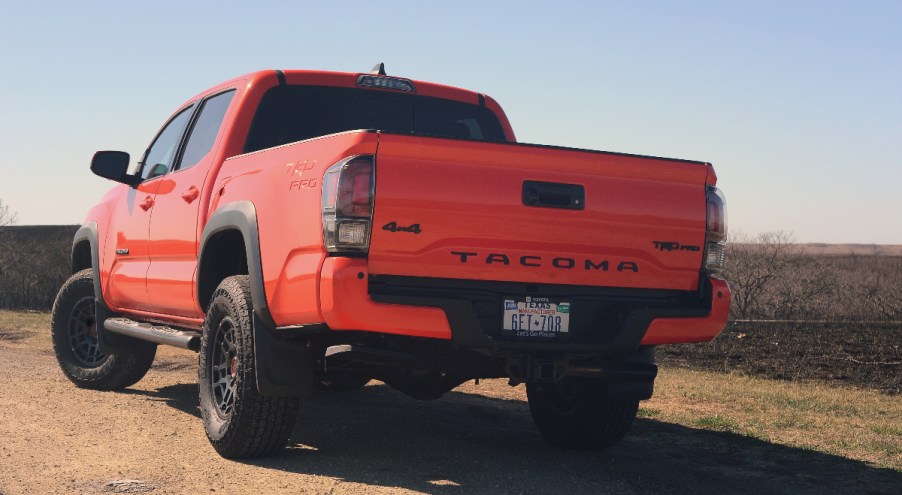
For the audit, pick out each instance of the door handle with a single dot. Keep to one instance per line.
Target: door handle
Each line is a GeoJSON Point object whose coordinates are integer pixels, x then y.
{"type": "Point", "coordinates": [191, 194]}
{"type": "Point", "coordinates": [147, 204]}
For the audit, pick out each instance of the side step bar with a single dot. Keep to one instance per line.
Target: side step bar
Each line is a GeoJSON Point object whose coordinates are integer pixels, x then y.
{"type": "Point", "coordinates": [159, 334]}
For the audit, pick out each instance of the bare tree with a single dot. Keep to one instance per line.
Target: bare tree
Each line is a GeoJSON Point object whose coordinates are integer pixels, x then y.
{"type": "Point", "coordinates": [881, 291]}
{"type": "Point", "coordinates": [805, 289]}
{"type": "Point", "coordinates": [753, 266]}
{"type": "Point", "coordinates": [773, 278]}
{"type": "Point", "coordinates": [7, 218]}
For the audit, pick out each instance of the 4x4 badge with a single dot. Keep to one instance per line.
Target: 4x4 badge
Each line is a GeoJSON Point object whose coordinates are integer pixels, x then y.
{"type": "Point", "coordinates": [394, 227]}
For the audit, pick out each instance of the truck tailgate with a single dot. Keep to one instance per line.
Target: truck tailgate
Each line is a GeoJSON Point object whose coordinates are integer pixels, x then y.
{"type": "Point", "coordinates": [457, 209]}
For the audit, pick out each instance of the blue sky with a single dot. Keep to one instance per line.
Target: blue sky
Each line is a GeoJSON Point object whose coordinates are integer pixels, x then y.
{"type": "Point", "coordinates": [797, 104]}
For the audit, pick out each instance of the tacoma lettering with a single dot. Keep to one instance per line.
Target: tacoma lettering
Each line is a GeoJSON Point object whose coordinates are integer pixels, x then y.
{"type": "Point", "coordinates": [560, 262]}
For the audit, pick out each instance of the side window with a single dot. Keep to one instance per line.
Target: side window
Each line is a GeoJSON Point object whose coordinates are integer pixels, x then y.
{"type": "Point", "coordinates": [205, 129]}
{"type": "Point", "coordinates": [162, 152]}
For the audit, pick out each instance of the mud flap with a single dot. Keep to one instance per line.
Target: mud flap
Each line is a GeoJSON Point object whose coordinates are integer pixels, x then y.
{"type": "Point", "coordinates": [633, 376]}
{"type": "Point", "coordinates": [284, 368]}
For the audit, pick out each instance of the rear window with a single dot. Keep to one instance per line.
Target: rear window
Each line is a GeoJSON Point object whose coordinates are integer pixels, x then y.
{"type": "Point", "coordinates": [293, 113]}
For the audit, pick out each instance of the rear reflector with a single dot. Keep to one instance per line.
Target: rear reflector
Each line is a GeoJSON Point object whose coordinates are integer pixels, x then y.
{"type": "Point", "coordinates": [352, 233]}
{"type": "Point", "coordinates": [715, 257]}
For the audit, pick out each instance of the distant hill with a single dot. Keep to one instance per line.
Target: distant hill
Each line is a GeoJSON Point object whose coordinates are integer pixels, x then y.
{"type": "Point", "coordinates": [851, 249]}
{"type": "Point", "coordinates": [28, 232]}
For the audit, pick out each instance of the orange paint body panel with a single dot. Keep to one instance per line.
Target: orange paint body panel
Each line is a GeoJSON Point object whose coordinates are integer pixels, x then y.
{"type": "Point", "coordinates": [467, 196]}
{"type": "Point", "coordinates": [346, 305]}
{"type": "Point", "coordinates": [290, 226]}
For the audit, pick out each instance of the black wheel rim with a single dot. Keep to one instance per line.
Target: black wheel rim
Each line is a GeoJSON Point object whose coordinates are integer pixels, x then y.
{"type": "Point", "coordinates": [565, 395]}
{"type": "Point", "coordinates": [224, 367]}
{"type": "Point", "coordinates": [83, 334]}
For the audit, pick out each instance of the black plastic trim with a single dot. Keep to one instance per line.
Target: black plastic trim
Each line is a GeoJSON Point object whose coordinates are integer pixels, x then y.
{"type": "Point", "coordinates": [473, 311]}
{"type": "Point", "coordinates": [284, 368]}
{"type": "Point", "coordinates": [240, 216]}
{"type": "Point", "coordinates": [540, 194]}
{"type": "Point", "coordinates": [281, 76]}
{"type": "Point", "coordinates": [88, 232]}
{"type": "Point", "coordinates": [311, 329]}
{"type": "Point", "coordinates": [110, 343]}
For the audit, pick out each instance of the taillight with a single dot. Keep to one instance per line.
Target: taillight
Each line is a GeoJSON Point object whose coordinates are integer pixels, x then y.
{"type": "Point", "coordinates": [348, 188]}
{"type": "Point", "coordinates": [716, 237]}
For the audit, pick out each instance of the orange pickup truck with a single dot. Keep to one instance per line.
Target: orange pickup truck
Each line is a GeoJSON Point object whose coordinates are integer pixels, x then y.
{"type": "Point", "coordinates": [309, 230]}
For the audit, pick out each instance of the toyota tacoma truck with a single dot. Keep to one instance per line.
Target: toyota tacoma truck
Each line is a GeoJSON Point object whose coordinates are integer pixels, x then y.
{"type": "Point", "coordinates": [311, 230]}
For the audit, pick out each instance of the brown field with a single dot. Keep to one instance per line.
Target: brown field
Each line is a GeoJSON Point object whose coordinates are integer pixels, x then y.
{"type": "Point", "coordinates": [773, 278]}
{"type": "Point", "coordinates": [864, 355]}
{"type": "Point", "coordinates": [816, 248]}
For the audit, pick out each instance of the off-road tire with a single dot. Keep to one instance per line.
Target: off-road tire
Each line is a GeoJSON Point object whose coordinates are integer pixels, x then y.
{"type": "Point", "coordinates": [577, 414]}
{"type": "Point", "coordinates": [239, 422]}
{"type": "Point", "coordinates": [73, 330]}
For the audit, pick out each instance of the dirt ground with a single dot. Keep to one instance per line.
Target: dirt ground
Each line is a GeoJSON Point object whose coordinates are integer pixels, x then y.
{"type": "Point", "coordinates": [55, 438]}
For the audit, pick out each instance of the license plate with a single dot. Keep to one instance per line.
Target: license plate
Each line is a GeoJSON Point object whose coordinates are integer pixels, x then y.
{"type": "Point", "coordinates": [536, 317]}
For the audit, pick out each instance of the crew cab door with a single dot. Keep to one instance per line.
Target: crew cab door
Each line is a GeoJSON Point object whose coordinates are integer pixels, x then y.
{"type": "Point", "coordinates": [177, 206]}
{"type": "Point", "coordinates": [130, 221]}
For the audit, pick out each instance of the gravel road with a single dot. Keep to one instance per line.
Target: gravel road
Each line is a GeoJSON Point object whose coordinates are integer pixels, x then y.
{"type": "Point", "coordinates": [55, 438]}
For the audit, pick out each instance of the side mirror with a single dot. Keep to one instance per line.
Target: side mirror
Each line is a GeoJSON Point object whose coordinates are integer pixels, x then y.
{"type": "Point", "coordinates": [113, 165]}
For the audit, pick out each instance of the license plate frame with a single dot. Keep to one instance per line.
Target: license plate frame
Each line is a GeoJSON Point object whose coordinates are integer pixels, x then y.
{"type": "Point", "coordinates": [535, 318]}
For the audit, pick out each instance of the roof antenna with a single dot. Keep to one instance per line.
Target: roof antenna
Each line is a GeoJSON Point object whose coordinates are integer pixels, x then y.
{"type": "Point", "coordinates": [378, 69]}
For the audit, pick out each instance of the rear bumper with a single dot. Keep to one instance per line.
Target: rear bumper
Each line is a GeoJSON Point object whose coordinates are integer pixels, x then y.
{"type": "Point", "coordinates": [699, 329]}
{"type": "Point", "coordinates": [346, 305]}
{"type": "Point", "coordinates": [611, 321]}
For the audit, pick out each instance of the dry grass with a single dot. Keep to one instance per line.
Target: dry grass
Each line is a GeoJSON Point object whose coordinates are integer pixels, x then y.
{"type": "Point", "coordinates": [852, 423]}
{"type": "Point", "coordinates": [847, 422]}
{"type": "Point", "coordinates": [33, 320]}
{"type": "Point", "coordinates": [20, 325]}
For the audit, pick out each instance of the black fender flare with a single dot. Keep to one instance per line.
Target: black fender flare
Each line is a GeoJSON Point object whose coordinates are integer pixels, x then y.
{"type": "Point", "coordinates": [88, 232]}
{"type": "Point", "coordinates": [284, 368]}
{"type": "Point", "coordinates": [110, 343]}
{"type": "Point", "coordinates": [240, 216]}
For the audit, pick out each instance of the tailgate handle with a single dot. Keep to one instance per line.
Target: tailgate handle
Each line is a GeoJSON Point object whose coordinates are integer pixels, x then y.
{"type": "Point", "coordinates": [552, 195]}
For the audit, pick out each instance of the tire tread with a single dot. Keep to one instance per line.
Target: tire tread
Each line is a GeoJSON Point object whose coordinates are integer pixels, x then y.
{"type": "Point", "coordinates": [596, 422]}
{"type": "Point", "coordinates": [120, 370]}
{"type": "Point", "coordinates": [259, 426]}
